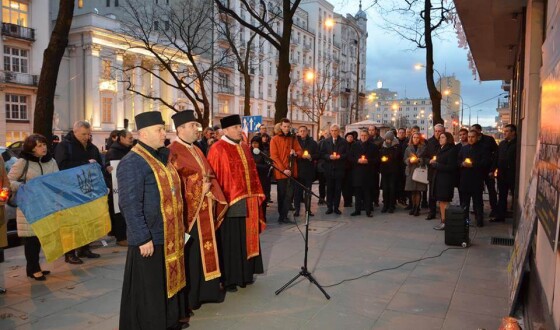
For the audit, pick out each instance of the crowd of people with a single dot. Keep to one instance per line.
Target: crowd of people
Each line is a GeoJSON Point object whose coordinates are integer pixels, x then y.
{"type": "Point", "coordinates": [191, 210]}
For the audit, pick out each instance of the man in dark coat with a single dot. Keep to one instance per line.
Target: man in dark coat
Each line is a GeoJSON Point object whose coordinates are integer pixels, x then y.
{"type": "Point", "coordinates": [347, 188]}
{"type": "Point", "coordinates": [472, 164]}
{"type": "Point", "coordinates": [491, 149]}
{"type": "Point", "coordinates": [334, 152]}
{"type": "Point", "coordinates": [432, 148]}
{"type": "Point", "coordinates": [364, 156]}
{"type": "Point", "coordinates": [321, 171]}
{"type": "Point", "coordinates": [75, 150]}
{"type": "Point", "coordinates": [306, 166]}
{"type": "Point", "coordinates": [402, 196]}
{"type": "Point", "coordinates": [117, 151]}
{"type": "Point", "coordinates": [207, 133]}
{"type": "Point", "coordinates": [376, 139]}
{"type": "Point", "coordinates": [389, 169]}
{"type": "Point", "coordinates": [507, 154]}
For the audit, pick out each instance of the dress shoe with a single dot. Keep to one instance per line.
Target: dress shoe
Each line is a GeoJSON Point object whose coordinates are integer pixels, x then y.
{"type": "Point", "coordinates": [384, 209]}
{"type": "Point", "coordinates": [369, 215]}
{"type": "Point", "coordinates": [37, 278]}
{"type": "Point", "coordinates": [412, 210]}
{"type": "Point", "coordinates": [430, 216]}
{"type": "Point", "coordinates": [329, 211]}
{"type": "Point", "coordinates": [497, 220]}
{"type": "Point", "coordinates": [73, 260]}
{"type": "Point", "coordinates": [391, 210]}
{"type": "Point", "coordinates": [311, 214]}
{"type": "Point", "coordinates": [354, 214]}
{"type": "Point", "coordinates": [296, 214]}
{"type": "Point", "coordinates": [492, 214]}
{"type": "Point", "coordinates": [337, 211]}
{"type": "Point", "coordinates": [122, 243]}
{"type": "Point", "coordinates": [88, 254]}
{"type": "Point", "coordinates": [417, 211]}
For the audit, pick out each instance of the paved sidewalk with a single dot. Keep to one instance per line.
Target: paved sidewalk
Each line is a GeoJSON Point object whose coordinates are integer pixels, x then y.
{"type": "Point", "coordinates": [462, 289]}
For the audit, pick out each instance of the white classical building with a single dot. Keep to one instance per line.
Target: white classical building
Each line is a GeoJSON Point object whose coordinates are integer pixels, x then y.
{"type": "Point", "coordinates": [25, 35]}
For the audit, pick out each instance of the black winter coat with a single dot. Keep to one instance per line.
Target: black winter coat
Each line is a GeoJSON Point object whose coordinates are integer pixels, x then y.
{"type": "Point", "coordinates": [392, 164]}
{"type": "Point", "coordinates": [445, 173]}
{"type": "Point", "coordinates": [491, 150]}
{"type": "Point", "coordinates": [507, 154]}
{"type": "Point", "coordinates": [362, 174]}
{"type": "Point", "coordinates": [306, 167]}
{"type": "Point", "coordinates": [116, 152]}
{"type": "Point", "coordinates": [472, 178]}
{"type": "Point", "coordinates": [71, 153]}
{"type": "Point", "coordinates": [334, 167]}
{"type": "Point", "coordinates": [432, 148]}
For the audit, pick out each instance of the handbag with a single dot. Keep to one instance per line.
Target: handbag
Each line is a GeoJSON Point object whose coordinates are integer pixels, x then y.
{"type": "Point", "coordinates": [12, 201]}
{"type": "Point", "coordinates": [420, 175]}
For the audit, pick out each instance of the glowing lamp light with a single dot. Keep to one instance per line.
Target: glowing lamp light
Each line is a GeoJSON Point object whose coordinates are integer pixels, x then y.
{"type": "Point", "coordinates": [384, 158]}
{"type": "Point", "coordinates": [108, 85]}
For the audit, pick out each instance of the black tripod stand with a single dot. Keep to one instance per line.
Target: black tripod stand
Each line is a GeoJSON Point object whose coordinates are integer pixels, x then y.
{"type": "Point", "coordinates": [304, 271]}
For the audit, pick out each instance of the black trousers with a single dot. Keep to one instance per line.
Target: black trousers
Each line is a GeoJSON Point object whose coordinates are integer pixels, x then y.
{"type": "Point", "coordinates": [375, 187]}
{"type": "Point", "coordinates": [504, 189]}
{"type": "Point", "coordinates": [334, 188]}
{"type": "Point", "coordinates": [363, 199]}
{"type": "Point", "coordinates": [118, 225]}
{"type": "Point", "coordinates": [285, 190]}
{"type": "Point", "coordinates": [322, 184]}
{"type": "Point", "coordinates": [389, 186]}
{"type": "Point", "coordinates": [490, 183]}
{"type": "Point", "coordinates": [32, 248]}
{"type": "Point", "coordinates": [347, 189]}
{"type": "Point", "coordinates": [431, 199]}
{"type": "Point", "coordinates": [478, 207]}
{"type": "Point", "coordinates": [298, 191]}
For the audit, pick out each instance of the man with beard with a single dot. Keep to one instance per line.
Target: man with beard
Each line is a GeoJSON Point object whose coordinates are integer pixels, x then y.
{"type": "Point", "coordinates": [236, 173]}
{"type": "Point", "coordinates": [204, 209]}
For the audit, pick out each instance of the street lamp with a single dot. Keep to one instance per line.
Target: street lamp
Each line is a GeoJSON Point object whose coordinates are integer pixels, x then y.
{"type": "Point", "coordinates": [477, 111]}
{"type": "Point", "coordinates": [422, 66]}
{"type": "Point", "coordinates": [309, 76]}
{"type": "Point", "coordinates": [447, 92]}
{"type": "Point", "coordinates": [329, 23]}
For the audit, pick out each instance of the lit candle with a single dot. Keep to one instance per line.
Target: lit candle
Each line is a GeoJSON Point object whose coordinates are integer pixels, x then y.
{"type": "Point", "coordinates": [434, 158]}
{"type": "Point", "coordinates": [496, 173]}
{"type": "Point", "coordinates": [305, 153]}
{"type": "Point", "coordinates": [413, 158]}
{"type": "Point", "coordinates": [468, 161]}
{"type": "Point", "coordinates": [334, 154]}
{"type": "Point", "coordinates": [4, 193]}
{"type": "Point", "coordinates": [384, 158]}
{"type": "Point", "coordinates": [363, 157]}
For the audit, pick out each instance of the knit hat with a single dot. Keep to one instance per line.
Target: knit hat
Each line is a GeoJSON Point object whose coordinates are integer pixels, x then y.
{"type": "Point", "coordinates": [389, 136]}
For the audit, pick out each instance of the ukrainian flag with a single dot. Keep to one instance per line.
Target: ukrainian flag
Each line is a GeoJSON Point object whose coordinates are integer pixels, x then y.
{"type": "Point", "coordinates": [66, 209]}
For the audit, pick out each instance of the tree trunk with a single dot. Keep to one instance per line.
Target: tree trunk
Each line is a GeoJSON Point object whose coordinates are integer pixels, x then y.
{"type": "Point", "coordinates": [284, 69]}
{"type": "Point", "coordinates": [247, 93]}
{"type": "Point", "coordinates": [44, 106]}
{"type": "Point", "coordinates": [435, 94]}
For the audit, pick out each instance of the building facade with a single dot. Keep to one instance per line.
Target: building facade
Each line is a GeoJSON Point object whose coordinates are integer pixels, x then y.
{"type": "Point", "coordinates": [25, 35]}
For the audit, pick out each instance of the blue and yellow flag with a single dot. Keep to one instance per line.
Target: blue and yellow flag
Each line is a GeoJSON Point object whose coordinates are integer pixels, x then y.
{"type": "Point", "coordinates": [66, 209]}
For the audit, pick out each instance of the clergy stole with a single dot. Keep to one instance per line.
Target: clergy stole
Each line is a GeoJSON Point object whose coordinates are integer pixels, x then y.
{"type": "Point", "coordinates": [205, 210]}
{"type": "Point", "coordinates": [171, 204]}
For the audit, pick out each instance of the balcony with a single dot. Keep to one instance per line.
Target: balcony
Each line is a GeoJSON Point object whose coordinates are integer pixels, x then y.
{"type": "Point", "coordinates": [224, 89]}
{"type": "Point", "coordinates": [19, 78]}
{"type": "Point", "coordinates": [18, 31]}
{"type": "Point", "coordinates": [345, 90]}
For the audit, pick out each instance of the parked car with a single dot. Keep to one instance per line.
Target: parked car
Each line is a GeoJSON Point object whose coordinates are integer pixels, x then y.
{"type": "Point", "coordinates": [10, 212]}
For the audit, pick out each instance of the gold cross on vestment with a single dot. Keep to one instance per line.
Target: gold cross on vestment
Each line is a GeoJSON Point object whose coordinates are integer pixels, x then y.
{"type": "Point", "coordinates": [208, 245]}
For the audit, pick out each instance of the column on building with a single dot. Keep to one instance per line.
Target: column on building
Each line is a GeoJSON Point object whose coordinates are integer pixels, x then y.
{"type": "Point", "coordinates": [121, 93]}
{"type": "Point", "coordinates": [156, 92]}
{"type": "Point", "coordinates": [92, 69]}
{"type": "Point", "coordinates": [138, 86]}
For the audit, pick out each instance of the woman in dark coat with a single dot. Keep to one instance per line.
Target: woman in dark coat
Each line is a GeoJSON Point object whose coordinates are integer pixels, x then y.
{"type": "Point", "coordinates": [262, 168]}
{"type": "Point", "coordinates": [445, 174]}
{"type": "Point", "coordinates": [389, 169]}
{"type": "Point", "coordinates": [414, 157]}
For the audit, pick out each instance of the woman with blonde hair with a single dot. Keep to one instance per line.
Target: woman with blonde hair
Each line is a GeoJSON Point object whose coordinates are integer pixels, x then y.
{"type": "Point", "coordinates": [415, 157]}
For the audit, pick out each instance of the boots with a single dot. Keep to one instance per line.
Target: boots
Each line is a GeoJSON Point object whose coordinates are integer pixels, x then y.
{"type": "Point", "coordinates": [417, 211]}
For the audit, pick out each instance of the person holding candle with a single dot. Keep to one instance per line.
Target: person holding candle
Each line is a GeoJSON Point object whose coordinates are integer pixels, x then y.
{"type": "Point", "coordinates": [347, 187]}
{"type": "Point", "coordinates": [432, 148]}
{"type": "Point", "coordinates": [334, 152]}
{"type": "Point", "coordinates": [306, 166]}
{"type": "Point", "coordinates": [375, 138]}
{"type": "Point", "coordinates": [444, 174]}
{"type": "Point", "coordinates": [389, 169]}
{"type": "Point", "coordinates": [364, 156]}
{"type": "Point", "coordinates": [414, 157]}
{"type": "Point", "coordinates": [507, 151]}
{"type": "Point", "coordinates": [472, 165]}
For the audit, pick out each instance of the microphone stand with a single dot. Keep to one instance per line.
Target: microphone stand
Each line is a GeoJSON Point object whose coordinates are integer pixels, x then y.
{"type": "Point", "coordinates": [304, 270]}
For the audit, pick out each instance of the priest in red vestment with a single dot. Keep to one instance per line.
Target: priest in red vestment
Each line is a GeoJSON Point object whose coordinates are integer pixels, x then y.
{"type": "Point", "coordinates": [205, 208]}
{"type": "Point", "coordinates": [236, 172]}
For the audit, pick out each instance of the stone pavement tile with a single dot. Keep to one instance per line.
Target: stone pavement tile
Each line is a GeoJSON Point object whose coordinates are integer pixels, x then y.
{"type": "Point", "coordinates": [109, 324]}
{"type": "Point", "coordinates": [366, 305]}
{"type": "Point", "coordinates": [212, 322]}
{"type": "Point", "coordinates": [69, 319]}
{"type": "Point", "coordinates": [392, 320]}
{"type": "Point", "coordinates": [106, 306]}
{"type": "Point", "coordinates": [444, 273]}
{"type": "Point", "coordinates": [93, 288]}
{"type": "Point", "coordinates": [334, 316]}
{"type": "Point", "coordinates": [409, 303]}
{"type": "Point", "coordinates": [11, 298]}
{"type": "Point", "coordinates": [478, 272]}
{"type": "Point", "coordinates": [48, 304]}
{"type": "Point", "coordinates": [487, 287]}
{"type": "Point", "coordinates": [428, 288]}
{"type": "Point", "coordinates": [476, 303]}
{"type": "Point", "coordinates": [458, 320]}
{"type": "Point", "coordinates": [12, 318]}
{"type": "Point", "coordinates": [35, 289]}
{"type": "Point", "coordinates": [261, 321]}
{"type": "Point", "coordinates": [382, 285]}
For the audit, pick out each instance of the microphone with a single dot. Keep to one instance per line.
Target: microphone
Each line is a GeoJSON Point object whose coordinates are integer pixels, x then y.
{"type": "Point", "coordinates": [257, 151]}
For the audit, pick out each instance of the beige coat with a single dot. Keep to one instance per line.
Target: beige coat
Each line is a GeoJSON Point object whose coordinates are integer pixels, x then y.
{"type": "Point", "coordinates": [35, 169]}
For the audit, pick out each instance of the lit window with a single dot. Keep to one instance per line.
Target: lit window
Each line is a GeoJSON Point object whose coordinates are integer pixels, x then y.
{"type": "Point", "coordinates": [106, 110]}
{"type": "Point", "coordinates": [15, 12]}
{"type": "Point", "coordinates": [16, 107]}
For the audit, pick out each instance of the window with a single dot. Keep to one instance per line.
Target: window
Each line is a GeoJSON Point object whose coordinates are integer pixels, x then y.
{"type": "Point", "coordinates": [108, 3]}
{"type": "Point", "coordinates": [15, 59]}
{"type": "Point", "coordinates": [106, 110]}
{"type": "Point", "coordinates": [116, 3]}
{"type": "Point", "coordinates": [14, 136]}
{"type": "Point", "coordinates": [269, 90]}
{"type": "Point", "coordinates": [15, 12]}
{"type": "Point", "coordinates": [106, 73]}
{"type": "Point", "coordinates": [223, 79]}
{"type": "Point", "coordinates": [223, 106]}
{"type": "Point", "coordinates": [80, 3]}
{"type": "Point", "coordinates": [16, 107]}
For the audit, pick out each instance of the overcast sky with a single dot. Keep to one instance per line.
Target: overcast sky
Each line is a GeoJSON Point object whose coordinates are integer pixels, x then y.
{"type": "Point", "coordinates": [392, 59]}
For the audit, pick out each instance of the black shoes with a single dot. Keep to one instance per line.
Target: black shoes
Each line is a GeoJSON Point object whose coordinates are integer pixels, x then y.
{"type": "Point", "coordinates": [384, 209]}
{"type": "Point", "coordinates": [322, 201]}
{"type": "Point", "coordinates": [37, 278]}
{"type": "Point", "coordinates": [391, 210]}
{"type": "Point", "coordinates": [497, 220]}
{"type": "Point", "coordinates": [354, 214]}
{"type": "Point", "coordinates": [369, 215]}
{"type": "Point", "coordinates": [72, 259]}
{"type": "Point", "coordinates": [337, 211]}
{"type": "Point", "coordinates": [296, 214]}
{"type": "Point", "coordinates": [430, 216]}
{"type": "Point", "coordinates": [329, 211]}
{"type": "Point", "coordinates": [417, 211]}
{"type": "Point", "coordinates": [286, 221]}
{"type": "Point", "coordinates": [88, 254]}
